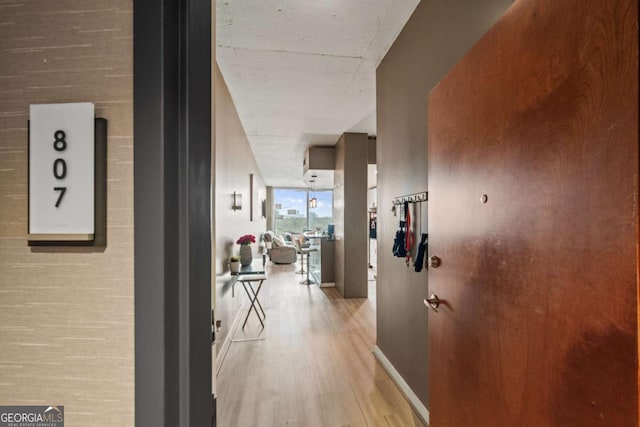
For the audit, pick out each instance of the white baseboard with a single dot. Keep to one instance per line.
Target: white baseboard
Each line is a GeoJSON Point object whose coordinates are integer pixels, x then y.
{"type": "Point", "coordinates": [415, 403]}
{"type": "Point", "coordinates": [224, 348]}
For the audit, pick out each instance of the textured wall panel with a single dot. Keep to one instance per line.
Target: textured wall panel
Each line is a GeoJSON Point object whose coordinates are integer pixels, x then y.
{"type": "Point", "coordinates": [66, 315]}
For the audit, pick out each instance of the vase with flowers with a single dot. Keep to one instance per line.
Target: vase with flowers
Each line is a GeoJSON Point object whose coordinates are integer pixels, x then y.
{"type": "Point", "coordinates": [246, 257]}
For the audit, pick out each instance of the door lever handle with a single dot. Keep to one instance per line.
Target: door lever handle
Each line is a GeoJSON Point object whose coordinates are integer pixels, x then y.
{"type": "Point", "coordinates": [433, 302]}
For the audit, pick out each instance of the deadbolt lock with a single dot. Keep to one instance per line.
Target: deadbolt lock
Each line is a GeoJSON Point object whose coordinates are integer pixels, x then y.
{"type": "Point", "coordinates": [434, 261]}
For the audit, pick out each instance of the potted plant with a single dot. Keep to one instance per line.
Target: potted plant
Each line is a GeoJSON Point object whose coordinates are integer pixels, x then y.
{"type": "Point", "coordinates": [245, 248]}
{"type": "Point", "coordinates": [234, 264]}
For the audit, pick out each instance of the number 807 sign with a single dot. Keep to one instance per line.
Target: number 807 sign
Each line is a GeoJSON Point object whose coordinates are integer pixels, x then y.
{"type": "Point", "coordinates": [61, 172]}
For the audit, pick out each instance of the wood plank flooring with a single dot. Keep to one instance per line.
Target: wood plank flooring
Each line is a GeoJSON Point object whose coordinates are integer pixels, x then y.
{"type": "Point", "coordinates": [314, 366]}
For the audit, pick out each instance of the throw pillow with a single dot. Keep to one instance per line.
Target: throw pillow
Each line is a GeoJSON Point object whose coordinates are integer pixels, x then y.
{"type": "Point", "coordinates": [278, 241]}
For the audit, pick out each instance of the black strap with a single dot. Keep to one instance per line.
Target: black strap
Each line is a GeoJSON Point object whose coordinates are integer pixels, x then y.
{"type": "Point", "coordinates": [422, 249]}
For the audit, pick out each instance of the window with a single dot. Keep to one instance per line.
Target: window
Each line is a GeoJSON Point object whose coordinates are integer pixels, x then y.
{"type": "Point", "coordinates": [322, 214]}
{"type": "Point", "coordinates": [293, 213]}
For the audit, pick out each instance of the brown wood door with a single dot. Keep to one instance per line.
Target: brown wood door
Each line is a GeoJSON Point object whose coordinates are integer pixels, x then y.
{"type": "Point", "coordinates": [538, 322]}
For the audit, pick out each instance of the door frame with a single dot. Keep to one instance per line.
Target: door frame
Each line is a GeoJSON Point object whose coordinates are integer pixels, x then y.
{"type": "Point", "coordinates": [172, 212]}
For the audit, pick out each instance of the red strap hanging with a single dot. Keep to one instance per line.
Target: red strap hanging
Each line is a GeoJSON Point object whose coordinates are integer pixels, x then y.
{"type": "Point", "coordinates": [409, 236]}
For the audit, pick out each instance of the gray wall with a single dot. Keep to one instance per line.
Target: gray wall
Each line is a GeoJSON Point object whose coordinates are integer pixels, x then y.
{"type": "Point", "coordinates": [350, 215]}
{"type": "Point", "coordinates": [436, 36]}
{"type": "Point", "coordinates": [234, 162]}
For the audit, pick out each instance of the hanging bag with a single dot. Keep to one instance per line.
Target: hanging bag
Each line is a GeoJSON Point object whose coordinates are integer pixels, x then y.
{"type": "Point", "coordinates": [399, 243]}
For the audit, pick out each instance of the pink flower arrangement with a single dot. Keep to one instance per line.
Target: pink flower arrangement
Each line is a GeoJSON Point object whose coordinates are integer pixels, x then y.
{"type": "Point", "coordinates": [247, 239]}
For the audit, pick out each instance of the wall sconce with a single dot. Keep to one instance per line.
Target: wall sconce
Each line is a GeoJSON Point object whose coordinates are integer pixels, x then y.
{"type": "Point", "coordinates": [237, 201]}
{"type": "Point", "coordinates": [313, 203]}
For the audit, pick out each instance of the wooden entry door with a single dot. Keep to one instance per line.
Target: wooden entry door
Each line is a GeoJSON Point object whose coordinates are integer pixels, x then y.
{"type": "Point", "coordinates": [533, 211]}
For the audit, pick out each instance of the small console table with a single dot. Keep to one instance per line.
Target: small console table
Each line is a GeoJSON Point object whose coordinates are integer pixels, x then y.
{"type": "Point", "coordinates": [255, 272]}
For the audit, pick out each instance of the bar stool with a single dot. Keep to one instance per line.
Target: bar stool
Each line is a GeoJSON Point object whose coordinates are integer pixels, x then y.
{"type": "Point", "coordinates": [303, 252]}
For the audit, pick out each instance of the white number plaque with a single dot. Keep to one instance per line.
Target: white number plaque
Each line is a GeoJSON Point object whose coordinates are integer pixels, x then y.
{"type": "Point", "coordinates": [61, 172]}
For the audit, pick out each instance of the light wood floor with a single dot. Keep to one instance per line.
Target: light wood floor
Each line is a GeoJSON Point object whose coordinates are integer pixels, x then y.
{"type": "Point", "coordinates": [314, 367]}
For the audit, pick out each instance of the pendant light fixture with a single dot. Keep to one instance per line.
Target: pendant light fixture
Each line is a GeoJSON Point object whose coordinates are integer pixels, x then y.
{"type": "Point", "coordinates": [313, 202]}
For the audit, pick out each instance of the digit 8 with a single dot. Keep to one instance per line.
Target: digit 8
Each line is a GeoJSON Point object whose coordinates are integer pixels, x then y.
{"type": "Point", "coordinates": [60, 143]}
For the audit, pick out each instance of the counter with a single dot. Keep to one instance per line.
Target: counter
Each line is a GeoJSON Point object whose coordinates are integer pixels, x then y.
{"type": "Point", "coordinates": [321, 262]}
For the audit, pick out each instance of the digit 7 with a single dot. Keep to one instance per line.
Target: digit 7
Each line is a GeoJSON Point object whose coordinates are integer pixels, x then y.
{"type": "Point", "coordinates": [62, 190]}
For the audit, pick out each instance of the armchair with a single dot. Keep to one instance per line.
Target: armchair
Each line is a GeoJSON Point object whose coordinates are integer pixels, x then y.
{"type": "Point", "coordinates": [280, 253]}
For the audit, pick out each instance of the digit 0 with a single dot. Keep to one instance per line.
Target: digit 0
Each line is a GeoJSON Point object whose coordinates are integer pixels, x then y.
{"type": "Point", "coordinates": [60, 142]}
{"type": "Point", "coordinates": [60, 169]}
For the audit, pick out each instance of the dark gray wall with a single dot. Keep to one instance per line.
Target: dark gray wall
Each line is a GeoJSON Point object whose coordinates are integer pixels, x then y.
{"type": "Point", "coordinates": [350, 215]}
{"type": "Point", "coordinates": [372, 151]}
{"type": "Point", "coordinates": [436, 36]}
{"type": "Point", "coordinates": [172, 212]}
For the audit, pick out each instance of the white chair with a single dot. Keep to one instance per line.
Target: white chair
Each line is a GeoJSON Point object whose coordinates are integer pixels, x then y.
{"type": "Point", "coordinates": [304, 251]}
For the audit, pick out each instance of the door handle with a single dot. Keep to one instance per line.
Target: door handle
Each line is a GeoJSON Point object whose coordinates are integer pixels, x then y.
{"type": "Point", "coordinates": [432, 302]}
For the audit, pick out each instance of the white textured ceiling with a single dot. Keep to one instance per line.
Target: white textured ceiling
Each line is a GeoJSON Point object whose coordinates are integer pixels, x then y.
{"type": "Point", "coordinates": [302, 72]}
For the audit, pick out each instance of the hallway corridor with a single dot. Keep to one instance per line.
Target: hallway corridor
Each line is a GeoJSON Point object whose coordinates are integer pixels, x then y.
{"type": "Point", "coordinates": [312, 364]}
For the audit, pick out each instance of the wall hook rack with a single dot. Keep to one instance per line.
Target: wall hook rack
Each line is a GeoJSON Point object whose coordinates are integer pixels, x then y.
{"type": "Point", "coordinates": [411, 198]}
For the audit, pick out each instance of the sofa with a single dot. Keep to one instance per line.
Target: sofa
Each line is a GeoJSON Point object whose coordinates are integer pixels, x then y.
{"type": "Point", "coordinates": [282, 251]}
